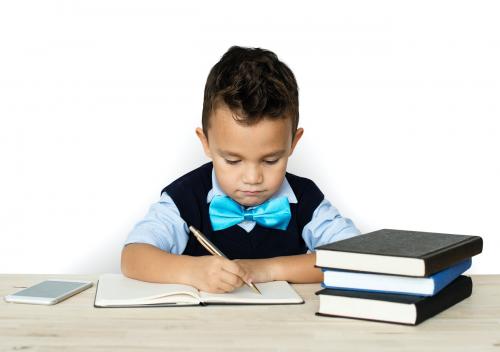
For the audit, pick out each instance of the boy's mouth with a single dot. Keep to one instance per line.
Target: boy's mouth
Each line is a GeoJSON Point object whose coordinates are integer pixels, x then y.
{"type": "Point", "coordinates": [251, 193]}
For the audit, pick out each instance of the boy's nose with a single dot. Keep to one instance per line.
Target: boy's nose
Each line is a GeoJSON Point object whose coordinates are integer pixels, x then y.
{"type": "Point", "coordinates": [252, 175]}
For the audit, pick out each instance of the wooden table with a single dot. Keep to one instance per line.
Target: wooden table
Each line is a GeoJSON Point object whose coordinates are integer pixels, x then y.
{"type": "Point", "coordinates": [74, 324]}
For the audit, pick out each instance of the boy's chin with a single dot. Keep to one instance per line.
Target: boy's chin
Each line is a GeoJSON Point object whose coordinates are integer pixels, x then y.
{"type": "Point", "coordinates": [250, 201]}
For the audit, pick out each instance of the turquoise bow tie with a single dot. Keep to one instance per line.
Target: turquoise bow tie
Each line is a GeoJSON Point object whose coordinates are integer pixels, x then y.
{"type": "Point", "coordinates": [225, 212]}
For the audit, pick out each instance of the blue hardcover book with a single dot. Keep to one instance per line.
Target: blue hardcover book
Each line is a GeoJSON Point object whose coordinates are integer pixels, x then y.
{"type": "Point", "coordinates": [420, 286]}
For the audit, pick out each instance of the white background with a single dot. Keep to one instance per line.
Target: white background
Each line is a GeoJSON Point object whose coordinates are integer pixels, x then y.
{"type": "Point", "coordinates": [99, 101]}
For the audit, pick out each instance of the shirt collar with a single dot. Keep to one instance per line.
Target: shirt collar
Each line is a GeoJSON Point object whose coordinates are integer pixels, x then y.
{"type": "Point", "coordinates": [284, 191]}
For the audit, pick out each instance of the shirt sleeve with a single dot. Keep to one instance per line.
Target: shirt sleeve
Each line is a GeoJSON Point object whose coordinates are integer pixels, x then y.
{"type": "Point", "coordinates": [162, 227]}
{"type": "Point", "coordinates": [327, 225]}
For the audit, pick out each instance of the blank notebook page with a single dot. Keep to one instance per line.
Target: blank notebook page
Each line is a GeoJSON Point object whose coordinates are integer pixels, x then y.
{"type": "Point", "coordinates": [272, 292]}
{"type": "Point", "coordinates": [120, 289]}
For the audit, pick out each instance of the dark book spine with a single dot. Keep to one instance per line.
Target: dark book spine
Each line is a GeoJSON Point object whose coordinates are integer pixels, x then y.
{"type": "Point", "coordinates": [438, 261]}
{"type": "Point", "coordinates": [458, 290]}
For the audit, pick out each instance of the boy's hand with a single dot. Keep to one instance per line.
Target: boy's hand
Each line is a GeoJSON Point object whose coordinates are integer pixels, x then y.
{"type": "Point", "coordinates": [259, 270]}
{"type": "Point", "coordinates": [217, 274]}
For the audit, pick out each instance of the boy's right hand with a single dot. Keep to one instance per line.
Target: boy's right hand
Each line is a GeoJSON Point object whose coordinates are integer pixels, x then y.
{"type": "Point", "coordinates": [216, 274]}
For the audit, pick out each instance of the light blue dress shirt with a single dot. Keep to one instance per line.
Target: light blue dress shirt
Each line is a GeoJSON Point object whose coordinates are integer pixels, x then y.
{"type": "Point", "coordinates": [164, 228]}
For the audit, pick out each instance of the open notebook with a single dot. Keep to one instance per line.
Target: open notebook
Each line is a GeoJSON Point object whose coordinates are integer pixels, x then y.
{"type": "Point", "coordinates": [116, 290]}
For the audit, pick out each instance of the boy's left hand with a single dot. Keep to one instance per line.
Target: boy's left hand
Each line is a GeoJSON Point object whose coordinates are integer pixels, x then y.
{"type": "Point", "coordinates": [259, 270]}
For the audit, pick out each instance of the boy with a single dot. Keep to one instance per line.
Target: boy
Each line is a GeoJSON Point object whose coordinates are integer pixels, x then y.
{"type": "Point", "coordinates": [261, 217]}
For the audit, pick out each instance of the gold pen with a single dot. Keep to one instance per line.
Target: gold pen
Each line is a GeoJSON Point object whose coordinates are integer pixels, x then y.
{"type": "Point", "coordinates": [210, 247]}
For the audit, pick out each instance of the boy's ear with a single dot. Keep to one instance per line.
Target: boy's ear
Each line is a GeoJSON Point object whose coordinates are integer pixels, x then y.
{"type": "Point", "coordinates": [204, 142]}
{"type": "Point", "coordinates": [298, 136]}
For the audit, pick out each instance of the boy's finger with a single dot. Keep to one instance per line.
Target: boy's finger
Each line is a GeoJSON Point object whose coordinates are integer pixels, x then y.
{"type": "Point", "coordinates": [231, 279]}
{"type": "Point", "coordinates": [225, 287]}
{"type": "Point", "coordinates": [234, 268]}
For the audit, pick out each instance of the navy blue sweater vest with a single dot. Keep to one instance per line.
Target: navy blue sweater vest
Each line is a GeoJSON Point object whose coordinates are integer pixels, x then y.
{"type": "Point", "coordinates": [189, 193]}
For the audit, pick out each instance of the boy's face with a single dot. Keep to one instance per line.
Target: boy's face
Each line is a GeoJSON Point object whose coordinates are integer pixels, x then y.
{"type": "Point", "coordinates": [249, 161]}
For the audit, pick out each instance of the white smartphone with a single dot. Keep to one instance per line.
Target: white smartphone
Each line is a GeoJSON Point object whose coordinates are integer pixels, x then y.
{"type": "Point", "coordinates": [49, 292]}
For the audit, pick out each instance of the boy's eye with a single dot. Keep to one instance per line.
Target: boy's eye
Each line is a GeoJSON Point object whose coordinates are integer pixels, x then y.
{"type": "Point", "coordinates": [233, 162]}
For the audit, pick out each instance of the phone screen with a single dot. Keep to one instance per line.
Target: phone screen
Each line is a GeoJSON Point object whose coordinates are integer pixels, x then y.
{"type": "Point", "coordinates": [49, 289]}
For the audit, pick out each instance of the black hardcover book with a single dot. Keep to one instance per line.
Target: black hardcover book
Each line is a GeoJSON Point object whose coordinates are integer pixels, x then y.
{"type": "Point", "coordinates": [392, 308]}
{"type": "Point", "coordinates": [398, 252]}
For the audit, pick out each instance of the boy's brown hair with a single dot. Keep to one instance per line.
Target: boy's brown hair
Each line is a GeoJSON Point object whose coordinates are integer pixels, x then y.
{"type": "Point", "coordinates": [254, 84]}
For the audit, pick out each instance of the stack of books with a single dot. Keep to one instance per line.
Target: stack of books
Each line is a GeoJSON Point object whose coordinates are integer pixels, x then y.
{"type": "Point", "coordinates": [395, 276]}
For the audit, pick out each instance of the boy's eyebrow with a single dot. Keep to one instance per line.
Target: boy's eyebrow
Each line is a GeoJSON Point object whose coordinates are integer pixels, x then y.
{"type": "Point", "coordinates": [229, 153]}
